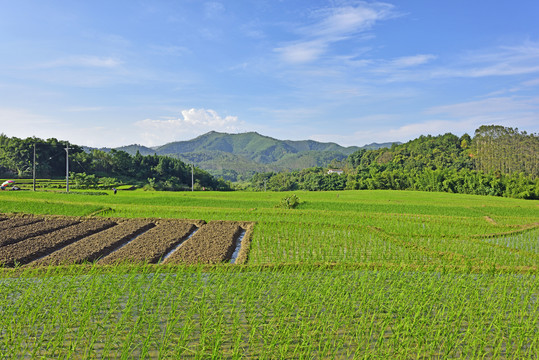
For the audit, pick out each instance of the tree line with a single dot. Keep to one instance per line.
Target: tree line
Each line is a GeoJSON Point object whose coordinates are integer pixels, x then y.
{"type": "Point", "coordinates": [93, 166]}
{"type": "Point", "coordinates": [497, 161]}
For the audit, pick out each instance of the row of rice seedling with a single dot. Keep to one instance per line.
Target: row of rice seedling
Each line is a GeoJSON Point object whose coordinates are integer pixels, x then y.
{"type": "Point", "coordinates": [487, 252]}
{"type": "Point", "coordinates": [287, 242]}
{"type": "Point", "coordinates": [48, 204]}
{"type": "Point", "coordinates": [320, 231]}
{"type": "Point", "coordinates": [294, 312]}
{"type": "Point", "coordinates": [526, 241]}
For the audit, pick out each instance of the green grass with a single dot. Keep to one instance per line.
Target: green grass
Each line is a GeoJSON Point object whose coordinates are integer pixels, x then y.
{"type": "Point", "coordinates": [359, 274]}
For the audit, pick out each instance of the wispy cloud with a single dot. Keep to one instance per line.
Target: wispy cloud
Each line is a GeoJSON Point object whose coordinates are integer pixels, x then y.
{"type": "Point", "coordinates": [191, 123]}
{"type": "Point", "coordinates": [410, 61]}
{"type": "Point", "coordinates": [500, 61]}
{"type": "Point", "coordinates": [22, 123]}
{"type": "Point", "coordinates": [494, 105]}
{"type": "Point", "coordinates": [303, 52]}
{"type": "Point", "coordinates": [333, 25]}
{"type": "Point", "coordinates": [213, 9]}
{"type": "Point", "coordinates": [88, 61]}
{"type": "Point", "coordinates": [392, 133]}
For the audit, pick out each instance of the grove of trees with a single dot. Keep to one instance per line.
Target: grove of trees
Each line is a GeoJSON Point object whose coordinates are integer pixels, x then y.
{"type": "Point", "coordinates": [496, 161]}
{"type": "Point", "coordinates": [94, 166]}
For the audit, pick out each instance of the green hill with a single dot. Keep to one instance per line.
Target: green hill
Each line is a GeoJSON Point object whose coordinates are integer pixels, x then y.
{"type": "Point", "coordinates": [235, 155]}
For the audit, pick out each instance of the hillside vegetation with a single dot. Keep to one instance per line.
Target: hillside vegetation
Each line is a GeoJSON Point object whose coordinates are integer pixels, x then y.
{"type": "Point", "coordinates": [496, 161]}
{"type": "Point", "coordinates": [239, 156]}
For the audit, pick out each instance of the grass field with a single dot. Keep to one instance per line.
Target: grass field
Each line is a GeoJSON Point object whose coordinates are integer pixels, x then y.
{"type": "Point", "coordinates": [359, 274]}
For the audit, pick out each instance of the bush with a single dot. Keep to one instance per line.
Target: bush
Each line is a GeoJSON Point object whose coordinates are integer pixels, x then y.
{"type": "Point", "coordinates": [289, 202]}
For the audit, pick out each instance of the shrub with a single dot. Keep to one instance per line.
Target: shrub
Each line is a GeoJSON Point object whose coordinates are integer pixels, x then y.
{"type": "Point", "coordinates": [289, 202]}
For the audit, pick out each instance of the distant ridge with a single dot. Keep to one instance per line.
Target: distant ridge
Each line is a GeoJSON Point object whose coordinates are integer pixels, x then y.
{"type": "Point", "coordinates": [230, 155]}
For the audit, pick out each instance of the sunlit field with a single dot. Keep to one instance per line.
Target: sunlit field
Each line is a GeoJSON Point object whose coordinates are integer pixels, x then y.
{"type": "Point", "coordinates": [358, 274]}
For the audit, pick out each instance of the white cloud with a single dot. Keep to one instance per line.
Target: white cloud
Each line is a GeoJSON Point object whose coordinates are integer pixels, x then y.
{"type": "Point", "coordinates": [18, 122]}
{"type": "Point", "coordinates": [213, 9]}
{"type": "Point", "coordinates": [348, 20]}
{"type": "Point", "coordinates": [496, 105]}
{"type": "Point", "coordinates": [336, 24]}
{"type": "Point", "coordinates": [83, 109]}
{"type": "Point", "coordinates": [414, 60]}
{"type": "Point", "coordinates": [531, 83]}
{"type": "Point", "coordinates": [502, 61]}
{"type": "Point", "coordinates": [458, 118]}
{"type": "Point", "coordinates": [24, 123]}
{"type": "Point", "coordinates": [393, 133]}
{"type": "Point", "coordinates": [83, 61]}
{"type": "Point", "coordinates": [302, 52]}
{"type": "Point", "coordinates": [191, 123]}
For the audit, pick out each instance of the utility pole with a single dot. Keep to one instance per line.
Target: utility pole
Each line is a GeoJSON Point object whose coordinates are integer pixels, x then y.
{"type": "Point", "coordinates": [67, 167]}
{"type": "Point", "coordinates": [193, 177]}
{"type": "Point", "coordinates": [34, 169]}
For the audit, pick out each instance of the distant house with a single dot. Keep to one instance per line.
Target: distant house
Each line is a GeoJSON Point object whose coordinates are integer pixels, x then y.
{"type": "Point", "coordinates": [335, 171]}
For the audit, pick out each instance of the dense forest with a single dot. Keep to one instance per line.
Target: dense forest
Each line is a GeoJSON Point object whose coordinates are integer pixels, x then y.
{"type": "Point", "coordinates": [90, 168]}
{"type": "Point", "coordinates": [497, 161]}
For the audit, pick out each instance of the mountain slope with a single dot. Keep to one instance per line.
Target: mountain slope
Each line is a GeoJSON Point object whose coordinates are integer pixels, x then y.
{"type": "Point", "coordinates": [247, 153]}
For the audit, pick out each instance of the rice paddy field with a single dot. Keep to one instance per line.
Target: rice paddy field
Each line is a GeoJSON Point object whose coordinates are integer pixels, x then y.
{"type": "Point", "coordinates": [346, 275]}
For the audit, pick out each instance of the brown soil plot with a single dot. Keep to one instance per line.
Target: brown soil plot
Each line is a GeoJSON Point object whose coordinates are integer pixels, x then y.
{"type": "Point", "coordinates": [213, 243]}
{"type": "Point", "coordinates": [97, 245]}
{"type": "Point", "coordinates": [31, 248]}
{"type": "Point", "coordinates": [153, 244]}
{"type": "Point", "coordinates": [53, 240]}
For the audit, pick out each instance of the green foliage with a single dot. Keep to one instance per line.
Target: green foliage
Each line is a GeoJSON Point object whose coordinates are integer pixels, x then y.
{"type": "Point", "coordinates": [83, 181]}
{"type": "Point", "coordinates": [289, 202]}
{"type": "Point", "coordinates": [95, 168]}
{"type": "Point", "coordinates": [498, 161]}
{"type": "Point", "coordinates": [506, 150]}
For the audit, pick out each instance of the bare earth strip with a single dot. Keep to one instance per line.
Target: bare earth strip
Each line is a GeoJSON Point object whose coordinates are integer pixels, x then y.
{"type": "Point", "coordinates": [97, 245]}
{"type": "Point", "coordinates": [10, 223]}
{"type": "Point", "coordinates": [246, 242]}
{"type": "Point", "coordinates": [153, 244]}
{"type": "Point", "coordinates": [53, 240]}
{"type": "Point", "coordinates": [20, 233]}
{"type": "Point", "coordinates": [213, 243]}
{"type": "Point", "coordinates": [29, 249]}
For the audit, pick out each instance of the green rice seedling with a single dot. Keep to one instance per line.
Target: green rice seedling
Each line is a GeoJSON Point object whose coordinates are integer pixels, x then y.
{"type": "Point", "coordinates": [370, 274]}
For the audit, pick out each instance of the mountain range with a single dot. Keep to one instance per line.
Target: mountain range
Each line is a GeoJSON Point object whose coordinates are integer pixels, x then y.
{"type": "Point", "coordinates": [237, 156]}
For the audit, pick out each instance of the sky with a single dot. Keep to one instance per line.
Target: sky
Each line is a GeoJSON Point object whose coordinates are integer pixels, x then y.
{"type": "Point", "coordinates": [113, 73]}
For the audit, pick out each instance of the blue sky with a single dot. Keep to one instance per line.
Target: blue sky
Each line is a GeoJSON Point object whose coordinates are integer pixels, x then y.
{"type": "Point", "coordinates": [112, 73]}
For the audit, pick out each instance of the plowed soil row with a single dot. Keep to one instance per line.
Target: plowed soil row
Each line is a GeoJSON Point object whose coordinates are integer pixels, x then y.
{"type": "Point", "coordinates": [19, 233]}
{"type": "Point", "coordinates": [97, 245]}
{"type": "Point", "coordinates": [213, 243]}
{"type": "Point", "coordinates": [10, 223]}
{"type": "Point", "coordinates": [153, 244]}
{"type": "Point", "coordinates": [51, 240]}
{"type": "Point", "coordinates": [29, 249]}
